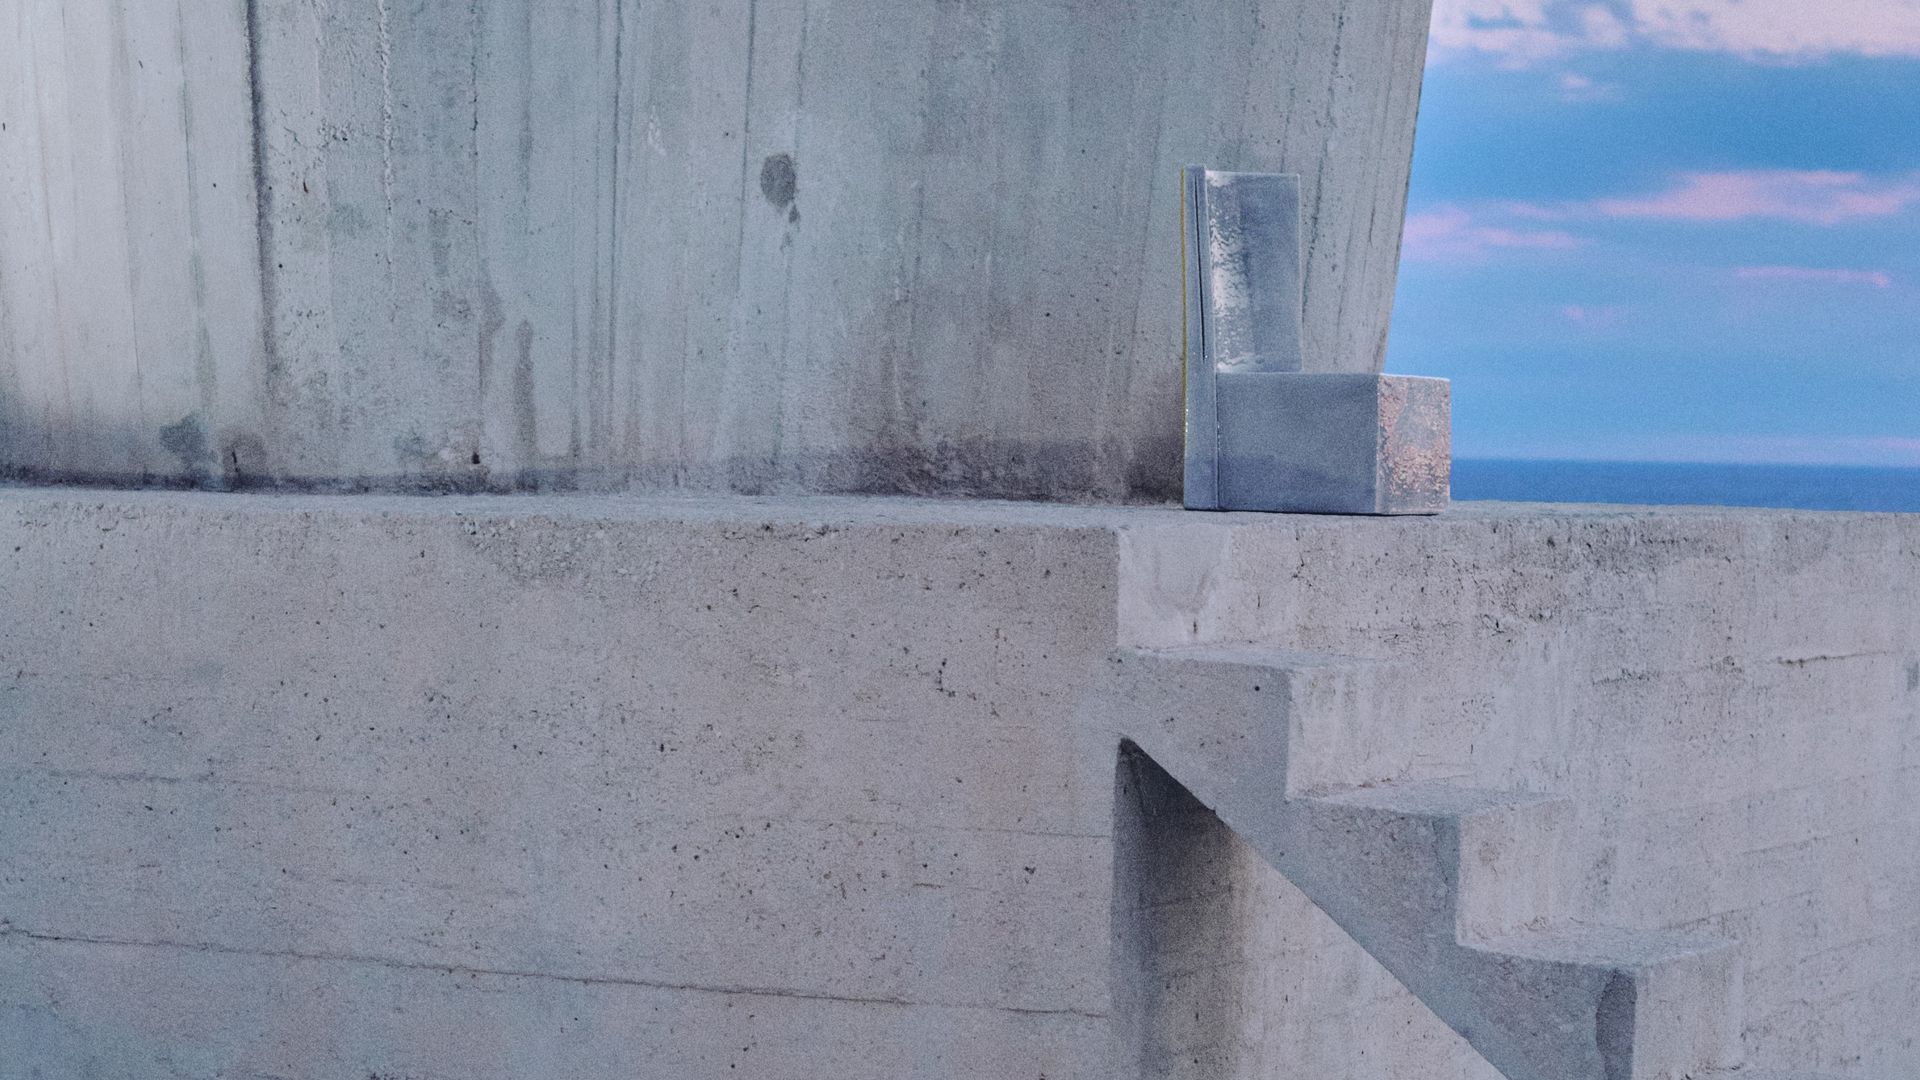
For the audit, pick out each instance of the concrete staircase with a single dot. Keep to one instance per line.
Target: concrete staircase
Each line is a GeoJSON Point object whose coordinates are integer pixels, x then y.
{"type": "Point", "coordinates": [1459, 892]}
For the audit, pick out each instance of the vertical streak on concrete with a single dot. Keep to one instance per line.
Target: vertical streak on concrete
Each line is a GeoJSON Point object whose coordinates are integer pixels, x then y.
{"type": "Point", "coordinates": [61, 438]}
{"type": "Point", "coordinates": [96, 315]}
{"type": "Point", "coordinates": [206, 371]}
{"type": "Point", "coordinates": [301, 111]}
{"type": "Point", "coordinates": [537, 151]}
{"type": "Point", "coordinates": [386, 120]}
{"type": "Point", "coordinates": [617, 144]}
{"type": "Point", "coordinates": [17, 329]}
{"type": "Point", "coordinates": [487, 321]}
{"type": "Point", "coordinates": [270, 365]}
{"type": "Point", "coordinates": [126, 106]}
{"type": "Point", "coordinates": [587, 176]}
{"type": "Point", "coordinates": [1115, 428]}
{"type": "Point", "coordinates": [772, 196]}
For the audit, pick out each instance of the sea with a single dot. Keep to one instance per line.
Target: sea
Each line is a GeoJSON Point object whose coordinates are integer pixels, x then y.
{"type": "Point", "coordinates": [1801, 487]}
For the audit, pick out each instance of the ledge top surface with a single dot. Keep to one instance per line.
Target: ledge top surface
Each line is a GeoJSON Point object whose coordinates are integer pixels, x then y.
{"type": "Point", "coordinates": [828, 509]}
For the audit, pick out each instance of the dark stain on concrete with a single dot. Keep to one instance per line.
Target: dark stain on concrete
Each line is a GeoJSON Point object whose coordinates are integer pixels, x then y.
{"type": "Point", "coordinates": [1614, 1026]}
{"type": "Point", "coordinates": [243, 459]}
{"type": "Point", "coordinates": [186, 440]}
{"type": "Point", "coordinates": [780, 181]}
{"type": "Point", "coordinates": [525, 413]}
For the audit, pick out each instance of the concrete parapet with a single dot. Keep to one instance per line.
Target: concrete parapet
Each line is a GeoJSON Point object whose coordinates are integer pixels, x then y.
{"type": "Point", "coordinates": [500, 787]}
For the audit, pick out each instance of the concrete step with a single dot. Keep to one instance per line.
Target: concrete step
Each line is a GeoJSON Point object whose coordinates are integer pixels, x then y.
{"type": "Point", "coordinates": [1775, 1074]}
{"type": "Point", "coordinates": [1665, 1005]}
{"type": "Point", "coordinates": [1460, 892]}
{"type": "Point", "coordinates": [1300, 722]}
{"type": "Point", "coordinates": [1503, 862]}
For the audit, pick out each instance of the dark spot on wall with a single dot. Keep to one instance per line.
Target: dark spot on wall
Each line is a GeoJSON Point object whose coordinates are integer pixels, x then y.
{"type": "Point", "coordinates": [779, 180]}
{"type": "Point", "coordinates": [1614, 1027]}
{"type": "Point", "coordinates": [410, 450]}
{"type": "Point", "coordinates": [186, 440]}
{"type": "Point", "coordinates": [243, 459]}
{"type": "Point", "coordinates": [440, 466]}
{"type": "Point", "coordinates": [1913, 677]}
{"type": "Point", "coordinates": [440, 241]}
{"type": "Point", "coordinates": [525, 411]}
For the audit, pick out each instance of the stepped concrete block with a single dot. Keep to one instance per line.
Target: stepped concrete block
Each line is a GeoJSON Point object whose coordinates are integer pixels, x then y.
{"type": "Point", "coordinates": [1332, 443]}
{"type": "Point", "coordinates": [1550, 1003]}
{"type": "Point", "coordinates": [1458, 892]}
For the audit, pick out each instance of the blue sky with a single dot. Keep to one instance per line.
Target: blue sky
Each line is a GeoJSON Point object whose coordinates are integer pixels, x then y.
{"type": "Point", "coordinates": [1670, 229]}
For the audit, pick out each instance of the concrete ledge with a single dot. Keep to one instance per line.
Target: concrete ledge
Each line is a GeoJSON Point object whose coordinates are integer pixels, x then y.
{"type": "Point", "coordinates": [676, 758]}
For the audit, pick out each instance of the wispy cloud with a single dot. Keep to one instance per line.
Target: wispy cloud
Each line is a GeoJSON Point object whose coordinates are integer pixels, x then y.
{"type": "Point", "coordinates": [1886, 451]}
{"type": "Point", "coordinates": [1602, 317]}
{"type": "Point", "coordinates": [1476, 232]}
{"type": "Point", "coordinates": [1451, 234]}
{"type": "Point", "coordinates": [1878, 279]}
{"type": "Point", "coordinates": [1524, 32]}
{"type": "Point", "coordinates": [1783, 29]}
{"type": "Point", "coordinates": [1807, 197]}
{"type": "Point", "coordinates": [1576, 87]}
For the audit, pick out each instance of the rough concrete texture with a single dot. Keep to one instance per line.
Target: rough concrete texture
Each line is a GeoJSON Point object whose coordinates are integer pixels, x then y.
{"type": "Point", "coordinates": [1456, 891]}
{"type": "Point", "coordinates": [568, 786]}
{"type": "Point", "coordinates": [1727, 699]}
{"type": "Point", "coordinates": [833, 245]}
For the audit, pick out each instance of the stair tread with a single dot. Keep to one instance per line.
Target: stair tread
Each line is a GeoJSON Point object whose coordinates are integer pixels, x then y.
{"type": "Point", "coordinates": [1605, 946]}
{"type": "Point", "coordinates": [1768, 1074]}
{"type": "Point", "coordinates": [1439, 798]}
{"type": "Point", "coordinates": [1247, 654]}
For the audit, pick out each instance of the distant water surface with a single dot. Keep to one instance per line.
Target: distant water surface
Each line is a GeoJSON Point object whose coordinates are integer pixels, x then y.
{"type": "Point", "coordinates": [1801, 487]}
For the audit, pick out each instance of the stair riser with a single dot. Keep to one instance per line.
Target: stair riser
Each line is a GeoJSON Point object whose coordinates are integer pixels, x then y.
{"type": "Point", "coordinates": [1512, 870]}
{"type": "Point", "coordinates": [1674, 1032]}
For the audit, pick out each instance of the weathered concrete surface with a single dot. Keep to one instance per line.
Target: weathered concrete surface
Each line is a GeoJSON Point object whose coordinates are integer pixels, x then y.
{"type": "Point", "coordinates": [1730, 700]}
{"type": "Point", "coordinates": [1458, 891]}
{"type": "Point", "coordinates": [833, 245]}
{"type": "Point", "coordinates": [509, 787]}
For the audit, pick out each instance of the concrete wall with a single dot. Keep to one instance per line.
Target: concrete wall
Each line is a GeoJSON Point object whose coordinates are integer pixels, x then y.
{"type": "Point", "coordinates": [1731, 699]}
{"type": "Point", "coordinates": [835, 245]}
{"type": "Point", "coordinates": [362, 786]}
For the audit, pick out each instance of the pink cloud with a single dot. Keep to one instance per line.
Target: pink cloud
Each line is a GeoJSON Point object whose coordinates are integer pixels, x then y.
{"type": "Point", "coordinates": [1785, 29]}
{"type": "Point", "coordinates": [1868, 450]}
{"type": "Point", "coordinates": [1824, 198]}
{"type": "Point", "coordinates": [1450, 233]}
{"type": "Point", "coordinates": [1594, 318]}
{"type": "Point", "coordinates": [1813, 198]}
{"type": "Point", "coordinates": [1522, 33]}
{"type": "Point", "coordinates": [1879, 279]}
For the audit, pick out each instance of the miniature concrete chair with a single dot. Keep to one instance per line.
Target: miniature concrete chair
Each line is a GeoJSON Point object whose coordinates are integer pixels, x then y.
{"type": "Point", "coordinates": [1262, 433]}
